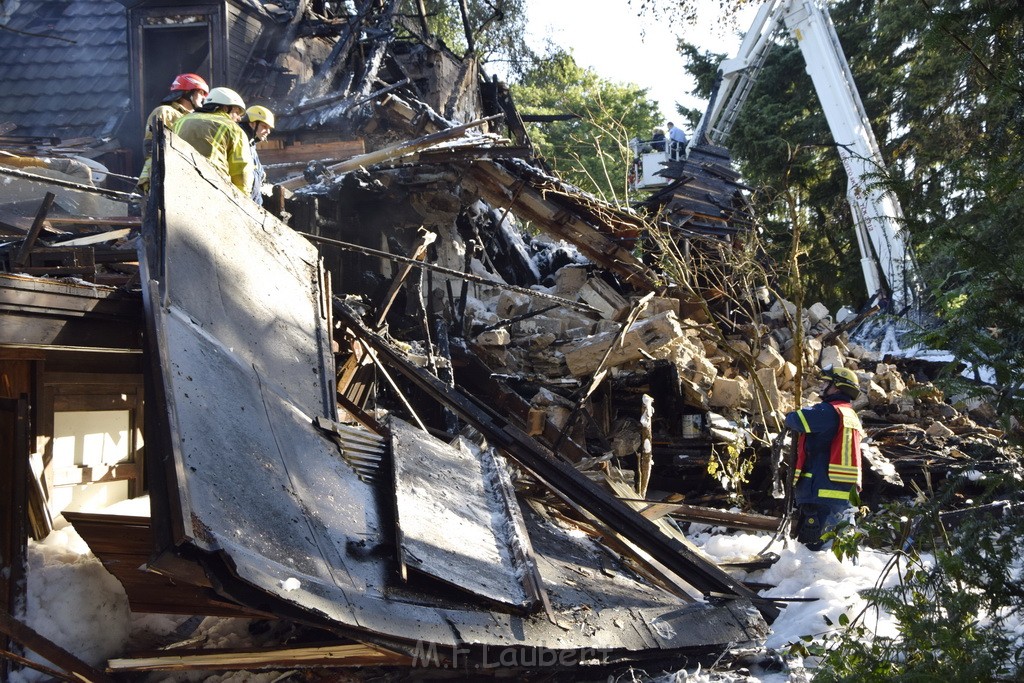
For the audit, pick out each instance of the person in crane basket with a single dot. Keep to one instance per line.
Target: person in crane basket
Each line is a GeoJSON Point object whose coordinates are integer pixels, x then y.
{"type": "Point", "coordinates": [828, 468]}
{"type": "Point", "coordinates": [676, 142]}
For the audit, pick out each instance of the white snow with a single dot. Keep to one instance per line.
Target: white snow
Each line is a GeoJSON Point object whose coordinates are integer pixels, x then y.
{"type": "Point", "coordinates": [73, 601]}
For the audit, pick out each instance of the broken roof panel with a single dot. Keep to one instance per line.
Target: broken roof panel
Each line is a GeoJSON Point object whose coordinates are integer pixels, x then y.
{"type": "Point", "coordinates": [455, 517]}
{"type": "Point", "coordinates": [265, 502]}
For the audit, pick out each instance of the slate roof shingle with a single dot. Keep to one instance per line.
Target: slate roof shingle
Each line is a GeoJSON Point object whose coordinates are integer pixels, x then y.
{"type": "Point", "coordinates": [97, 52]}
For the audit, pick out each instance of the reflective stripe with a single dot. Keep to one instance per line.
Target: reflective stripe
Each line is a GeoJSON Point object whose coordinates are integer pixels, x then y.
{"type": "Point", "coordinates": [803, 420]}
{"type": "Point", "coordinates": [807, 475]}
{"type": "Point", "coordinates": [832, 493]}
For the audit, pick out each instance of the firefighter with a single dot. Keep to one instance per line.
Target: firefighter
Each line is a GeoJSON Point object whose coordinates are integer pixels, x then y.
{"type": "Point", "coordinates": [257, 123]}
{"type": "Point", "coordinates": [827, 468]}
{"type": "Point", "coordinates": [188, 92]}
{"type": "Point", "coordinates": [215, 133]}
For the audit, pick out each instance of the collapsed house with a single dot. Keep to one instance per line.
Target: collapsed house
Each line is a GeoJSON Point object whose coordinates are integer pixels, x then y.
{"type": "Point", "coordinates": [381, 408]}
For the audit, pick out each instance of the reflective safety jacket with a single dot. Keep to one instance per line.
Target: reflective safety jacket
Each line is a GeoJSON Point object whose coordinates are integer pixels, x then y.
{"type": "Point", "coordinates": [218, 138]}
{"type": "Point", "coordinates": [828, 463]}
{"type": "Point", "coordinates": [169, 115]}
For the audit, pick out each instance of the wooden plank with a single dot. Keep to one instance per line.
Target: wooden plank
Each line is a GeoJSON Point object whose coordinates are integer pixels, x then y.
{"type": "Point", "coordinates": [33, 234]}
{"type": "Point", "coordinates": [96, 239]}
{"type": "Point", "coordinates": [14, 472]}
{"type": "Point", "coordinates": [127, 221]}
{"type": "Point", "coordinates": [426, 238]}
{"type": "Point", "coordinates": [306, 656]}
{"type": "Point", "coordinates": [337, 150]}
{"type": "Point", "coordinates": [69, 476]}
{"type": "Point", "coordinates": [125, 545]}
{"type": "Point", "coordinates": [392, 152]}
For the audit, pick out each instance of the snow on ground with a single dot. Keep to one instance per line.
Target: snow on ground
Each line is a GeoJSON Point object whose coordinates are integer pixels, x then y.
{"type": "Point", "coordinates": [73, 601]}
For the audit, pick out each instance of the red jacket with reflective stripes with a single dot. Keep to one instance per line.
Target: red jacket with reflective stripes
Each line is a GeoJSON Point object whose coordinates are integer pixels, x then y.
{"type": "Point", "coordinates": [844, 461]}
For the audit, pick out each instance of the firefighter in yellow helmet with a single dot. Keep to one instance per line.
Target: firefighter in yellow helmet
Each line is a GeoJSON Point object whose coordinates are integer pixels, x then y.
{"type": "Point", "coordinates": [188, 92]}
{"type": "Point", "coordinates": [828, 464]}
{"type": "Point", "coordinates": [257, 123]}
{"type": "Point", "coordinates": [215, 133]}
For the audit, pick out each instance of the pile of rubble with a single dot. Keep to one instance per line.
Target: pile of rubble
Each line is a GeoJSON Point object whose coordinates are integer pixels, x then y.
{"type": "Point", "coordinates": [710, 386]}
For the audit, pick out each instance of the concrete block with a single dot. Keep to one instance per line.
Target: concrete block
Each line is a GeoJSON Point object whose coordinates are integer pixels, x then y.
{"type": "Point", "coordinates": [541, 324]}
{"type": "Point", "coordinates": [511, 304]}
{"type": "Point", "coordinates": [831, 355]}
{"type": "Point", "coordinates": [876, 394]}
{"type": "Point", "coordinates": [729, 393]}
{"type": "Point", "coordinates": [498, 337]}
{"type": "Point", "coordinates": [643, 336]}
{"type": "Point", "coordinates": [603, 297]}
{"type": "Point", "coordinates": [661, 304]}
{"type": "Point", "coordinates": [740, 346]}
{"type": "Point", "coordinates": [937, 429]}
{"type": "Point", "coordinates": [569, 280]}
{"type": "Point", "coordinates": [770, 358]}
{"type": "Point", "coordinates": [782, 310]}
{"type": "Point", "coordinates": [817, 312]}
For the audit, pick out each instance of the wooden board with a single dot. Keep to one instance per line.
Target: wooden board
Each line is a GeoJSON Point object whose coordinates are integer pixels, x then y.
{"type": "Point", "coordinates": [124, 545]}
{"type": "Point", "coordinates": [314, 151]}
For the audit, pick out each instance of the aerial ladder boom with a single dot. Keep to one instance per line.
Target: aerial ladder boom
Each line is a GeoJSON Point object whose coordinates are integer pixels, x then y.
{"type": "Point", "coordinates": [886, 260]}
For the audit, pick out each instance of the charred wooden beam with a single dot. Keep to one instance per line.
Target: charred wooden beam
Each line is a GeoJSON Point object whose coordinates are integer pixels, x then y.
{"type": "Point", "coordinates": [563, 479]}
{"type": "Point", "coordinates": [478, 381]}
{"type": "Point", "coordinates": [458, 275]}
{"type": "Point", "coordinates": [33, 234]}
{"type": "Point", "coordinates": [493, 182]}
{"type": "Point", "coordinates": [419, 253]}
{"type": "Point", "coordinates": [113, 194]}
{"type": "Point", "coordinates": [303, 656]}
{"type": "Point", "coordinates": [392, 152]}
{"type": "Point", "coordinates": [13, 511]}
{"type": "Point", "coordinates": [548, 118]}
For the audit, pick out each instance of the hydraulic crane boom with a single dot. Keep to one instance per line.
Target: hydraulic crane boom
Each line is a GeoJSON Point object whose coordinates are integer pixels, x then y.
{"type": "Point", "coordinates": [886, 260]}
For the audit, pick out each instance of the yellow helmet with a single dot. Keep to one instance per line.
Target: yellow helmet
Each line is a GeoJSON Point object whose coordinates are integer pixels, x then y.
{"type": "Point", "coordinates": [260, 113]}
{"type": "Point", "coordinates": [844, 379]}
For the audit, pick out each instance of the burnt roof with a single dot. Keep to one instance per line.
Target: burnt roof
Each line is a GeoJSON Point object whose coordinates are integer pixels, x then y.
{"type": "Point", "coordinates": [65, 68]}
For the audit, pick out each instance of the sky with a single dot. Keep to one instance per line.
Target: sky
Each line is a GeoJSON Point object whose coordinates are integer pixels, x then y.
{"type": "Point", "coordinates": [609, 37]}
{"type": "Point", "coordinates": [74, 602]}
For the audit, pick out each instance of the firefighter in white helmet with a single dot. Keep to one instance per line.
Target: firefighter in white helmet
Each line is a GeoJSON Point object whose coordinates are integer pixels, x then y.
{"type": "Point", "coordinates": [257, 123]}
{"type": "Point", "coordinates": [215, 133]}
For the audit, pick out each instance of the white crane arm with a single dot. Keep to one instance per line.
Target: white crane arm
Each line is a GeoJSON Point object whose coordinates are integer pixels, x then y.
{"type": "Point", "coordinates": [878, 219]}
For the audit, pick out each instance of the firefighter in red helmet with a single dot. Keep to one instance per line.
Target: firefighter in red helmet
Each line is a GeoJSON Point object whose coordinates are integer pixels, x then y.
{"type": "Point", "coordinates": [187, 94]}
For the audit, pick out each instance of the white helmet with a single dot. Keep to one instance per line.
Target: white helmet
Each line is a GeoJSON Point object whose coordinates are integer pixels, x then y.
{"type": "Point", "coordinates": [225, 97]}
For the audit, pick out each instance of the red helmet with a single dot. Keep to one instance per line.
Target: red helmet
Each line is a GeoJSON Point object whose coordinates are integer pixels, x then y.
{"type": "Point", "coordinates": [189, 82]}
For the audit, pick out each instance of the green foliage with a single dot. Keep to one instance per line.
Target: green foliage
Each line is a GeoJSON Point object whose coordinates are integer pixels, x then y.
{"type": "Point", "coordinates": [958, 592]}
{"type": "Point", "coordinates": [498, 28]}
{"type": "Point", "coordinates": [590, 151]}
{"type": "Point", "coordinates": [943, 85]}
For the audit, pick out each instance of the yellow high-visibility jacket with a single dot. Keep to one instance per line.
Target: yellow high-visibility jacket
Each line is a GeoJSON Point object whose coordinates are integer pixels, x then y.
{"type": "Point", "coordinates": [169, 115]}
{"type": "Point", "coordinates": [222, 141]}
